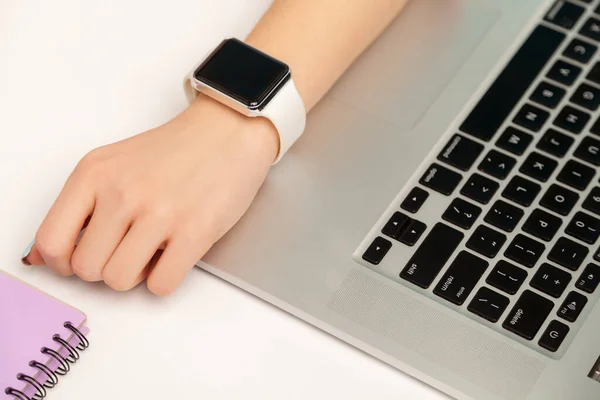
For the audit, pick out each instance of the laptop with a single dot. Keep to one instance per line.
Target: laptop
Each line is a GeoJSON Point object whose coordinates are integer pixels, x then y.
{"type": "Point", "coordinates": [442, 210]}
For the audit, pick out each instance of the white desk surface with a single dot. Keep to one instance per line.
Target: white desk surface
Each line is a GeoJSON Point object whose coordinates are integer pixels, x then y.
{"type": "Point", "coordinates": [78, 74]}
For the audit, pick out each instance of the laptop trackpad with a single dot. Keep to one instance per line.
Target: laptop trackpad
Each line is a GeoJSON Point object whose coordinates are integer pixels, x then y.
{"type": "Point", "coordinates": [406, 69]}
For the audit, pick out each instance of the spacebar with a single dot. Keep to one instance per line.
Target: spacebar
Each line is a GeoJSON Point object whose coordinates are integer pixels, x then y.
{"type": "Point", "coordinates": [497, 103]}
{"type": "Point", "coordinates": [430, 257]}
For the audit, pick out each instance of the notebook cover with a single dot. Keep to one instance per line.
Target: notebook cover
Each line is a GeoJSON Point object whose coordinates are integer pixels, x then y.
{"type": "Point", "coordinates": [29, 319]}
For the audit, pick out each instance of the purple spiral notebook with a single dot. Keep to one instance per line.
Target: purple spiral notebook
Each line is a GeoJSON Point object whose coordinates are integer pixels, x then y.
{"type": "Point", "coordinates": [40, 337]}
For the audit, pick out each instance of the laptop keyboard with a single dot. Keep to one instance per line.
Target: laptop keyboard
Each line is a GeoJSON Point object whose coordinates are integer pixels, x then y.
{"type": "Point", "coordinates": [515, 243]}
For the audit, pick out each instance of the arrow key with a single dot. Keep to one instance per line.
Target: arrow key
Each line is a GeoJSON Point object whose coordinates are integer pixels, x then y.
{"type": "Point", "coordinates": [415, 199]}
{"type": "Point", "coordinates": [395, 226]}
{"type": "Point", "coordinates": [412, 233]}
{"type": "Point", "coordinates": [377, 250]}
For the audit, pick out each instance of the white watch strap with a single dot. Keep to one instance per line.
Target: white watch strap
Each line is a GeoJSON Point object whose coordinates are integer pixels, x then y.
{"type": "Point", "coordinates": [286, 111]}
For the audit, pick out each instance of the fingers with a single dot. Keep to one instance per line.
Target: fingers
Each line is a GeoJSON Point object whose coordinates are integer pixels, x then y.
{"type": "Point", "coordinates": [56, 237]}
{"type": "Point", "coordinates": [144, 274]}
{"type": "Point", "coordinates": [106, 229]}
{"type": "Point", "coordinates": [176, 261]}
{"type": "Point", "coordinates": [125, 269]}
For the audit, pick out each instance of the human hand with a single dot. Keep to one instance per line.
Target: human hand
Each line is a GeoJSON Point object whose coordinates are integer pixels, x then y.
{"type": "Point", "coordinates": [178, 187]}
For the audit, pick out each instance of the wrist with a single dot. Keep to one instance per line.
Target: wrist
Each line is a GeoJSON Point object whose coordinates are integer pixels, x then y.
{"type": "Point", "coordinates": [257, 135]}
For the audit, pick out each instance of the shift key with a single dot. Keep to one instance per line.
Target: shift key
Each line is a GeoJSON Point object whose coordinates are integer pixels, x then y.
{"type": "Point", "coordinates": [460, 279]}
{"type": "Point", "coordinates": [432, 255]}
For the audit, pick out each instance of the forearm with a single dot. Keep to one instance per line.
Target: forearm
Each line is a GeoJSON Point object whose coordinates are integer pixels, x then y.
{"type": "Point", "coordinates": [319, 39]}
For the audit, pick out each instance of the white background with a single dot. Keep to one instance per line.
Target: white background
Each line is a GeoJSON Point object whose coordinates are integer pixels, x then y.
{"type": "Point", "coordinates": [78, 74]}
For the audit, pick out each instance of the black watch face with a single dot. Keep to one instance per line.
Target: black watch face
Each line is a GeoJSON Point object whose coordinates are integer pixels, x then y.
{"type": "Point", "coordinates": [242, 72]}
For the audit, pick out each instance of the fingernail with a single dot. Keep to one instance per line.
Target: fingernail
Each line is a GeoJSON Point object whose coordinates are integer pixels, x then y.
{"type": "Point", "coordinates": [26, 253]}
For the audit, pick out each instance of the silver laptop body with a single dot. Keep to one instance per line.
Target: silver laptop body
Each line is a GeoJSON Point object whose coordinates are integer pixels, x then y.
{"type": "Point", "coordinates": [307, 243]}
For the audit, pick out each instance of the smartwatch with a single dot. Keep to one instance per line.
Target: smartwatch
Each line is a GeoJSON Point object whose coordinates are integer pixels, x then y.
{"type": "Point", "coordinates": [254, 84]}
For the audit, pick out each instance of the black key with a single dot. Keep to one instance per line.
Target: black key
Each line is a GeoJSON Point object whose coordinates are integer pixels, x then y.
{"type": "Point", "coordinates": [555, 143]}
{"type": "Point", "coordinates": [497, 164]}
{"type": "Point", "coordinates": [460, 278]}
{"type": "Point", "coordinates": [415, 199]}
{"type": "Point", "coordinates": [440, 179]}
{"type": "Point", "coordinates": [542, 225]}
{"type": "Point", "coordinates": [377, 250]}
{"type": "Point", "coordinates": [591, 29]}
{"type": "Point", "coordinates": [576, 175]}
{"type": "Point", "coordinates": [559, 199]}
{"type": "Point", "coordinates": [594, 74]}
{"type": "Point", "coordinates": [564, 14]}
{"type": "Point", "coordinates": [589, 150]}
{"type": "Point", "coordinates": [551, 280]}
{"type": "Point", "coordinates": [564, 72]}
{"type": "Point", "coordinates": [595, 129]}
{"type": "Point", "coordinates": [538, 166]}
{"type": "Point", "coordinates": [504, 216]}
{"type": "Point", "coordinates": [580, 51]}
{"type": "Point", "coordinates": [572, 306]}
{"type": "Point", "coordinates": [461, 213]}
{"type": "Point", "coordinates": [507, 277]}
{"type": "Point", "coordinates": [412, 233]}
{"type": "Point", "coordinates": [590, 278]}
{"type": "Point", "coordinates": [460, 152]}
{"type": "Point", "coordinates": [554, 335]}
{"type": "Point", "coordinates": [521, 191]}
{"type": "Point", "coordinates": [528, 315]}
{"type": "Point", "coordinates": [587, 96]}
{"type": "Point", "coordinates": [524, 250]}
{"type": "Point", "coordinates": [572, 119]}
{"type": "Point", "coordinates": [432, 255]}
{"type": "Point", "coordinates": [531, 117]}
{"type": "Point", "coordinates": [568, 253]}
{"type": "Point", "coordinates": [592, 201]}
{"type": "Point", "coordinates": [514, 140]}
{"type": "Point", "coordinates": [396, 225]}
{"type": "Point", "coordinates": [548, 94]}
{"type": "Point", "coordinates": [486, 241]}
{"type": "Point", "coordinates": [480, 188]}
{"type": "Point", "coordinates": [584, 227]}
{"type": "Point", "coordinates": [488, 304]}
{"type": "Point", "coordinates": [512, 83]}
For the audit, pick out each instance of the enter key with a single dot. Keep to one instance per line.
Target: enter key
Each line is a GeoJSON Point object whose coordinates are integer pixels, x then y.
{"type": "Point", "coordinates": [461, 277]}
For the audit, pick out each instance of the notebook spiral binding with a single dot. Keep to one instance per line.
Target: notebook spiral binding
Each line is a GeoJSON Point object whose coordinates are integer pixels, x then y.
{"type": "Point", "coordinates": [52, 376]}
